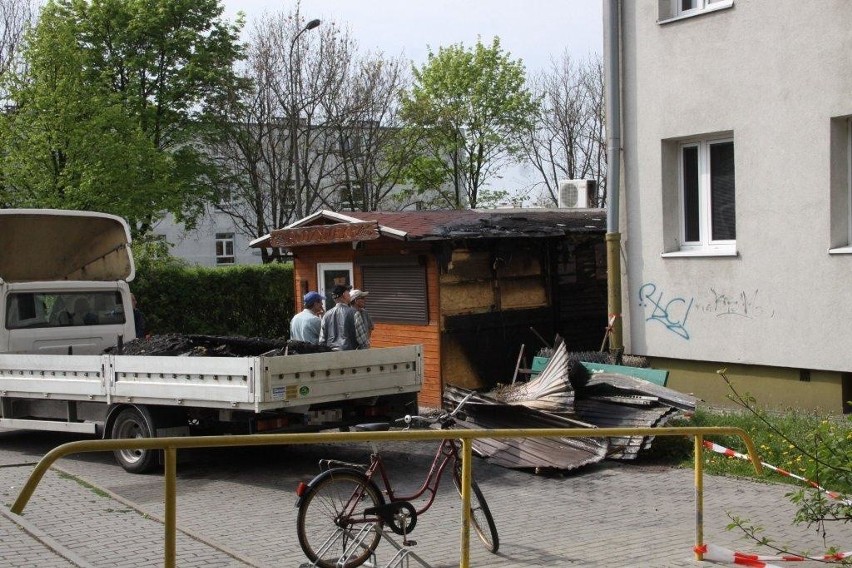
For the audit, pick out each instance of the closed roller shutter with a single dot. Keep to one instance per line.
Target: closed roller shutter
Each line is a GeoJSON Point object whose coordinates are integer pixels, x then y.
{"type": "Point", "coordinates": [397, 293]}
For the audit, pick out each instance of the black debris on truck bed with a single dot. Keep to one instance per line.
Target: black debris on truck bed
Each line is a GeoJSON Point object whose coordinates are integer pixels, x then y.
{"type": "Point", "coordinates": [181, 345]}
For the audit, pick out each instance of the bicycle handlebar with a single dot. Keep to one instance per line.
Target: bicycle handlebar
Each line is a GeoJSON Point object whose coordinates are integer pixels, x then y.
{"type": "Point", "coordinates": [444, 418]}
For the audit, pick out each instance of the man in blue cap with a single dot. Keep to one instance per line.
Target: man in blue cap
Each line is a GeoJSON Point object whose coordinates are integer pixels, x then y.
{"type": "Point", "coordinates": [305, 326]}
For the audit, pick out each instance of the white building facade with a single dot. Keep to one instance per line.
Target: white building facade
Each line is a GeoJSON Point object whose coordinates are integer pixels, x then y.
{"type": "Point", "coordinates": [736, 195]}
{"type": "Point", "coordinates": [215, 241]}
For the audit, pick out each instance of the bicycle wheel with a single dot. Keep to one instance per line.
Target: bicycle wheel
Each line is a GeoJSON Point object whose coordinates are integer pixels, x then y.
{"type": "Point", "coordinates": [331, 520]}
{"type": "Point", "coordinates": [480, 515]}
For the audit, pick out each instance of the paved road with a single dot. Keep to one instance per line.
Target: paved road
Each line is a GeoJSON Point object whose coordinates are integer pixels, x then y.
{"type": "Point", "coordinates": [236, 508]}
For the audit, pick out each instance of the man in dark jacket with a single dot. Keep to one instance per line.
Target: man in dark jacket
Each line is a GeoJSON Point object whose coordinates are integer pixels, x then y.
{"type": "Point", "coordinates": [338, 324]}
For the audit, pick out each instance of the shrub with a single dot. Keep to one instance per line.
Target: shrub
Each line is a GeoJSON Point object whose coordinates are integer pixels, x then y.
{"type": "Point", "coordinates": [249, 300]}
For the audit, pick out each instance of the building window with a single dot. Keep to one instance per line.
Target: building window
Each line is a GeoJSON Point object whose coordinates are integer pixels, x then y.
{"type": "Point", "coordinates": [705, 197]}
{"type": "Point", "coordinates": [352, 195]}
{"type": "Point", "coordinates": [225, 248]}
{"type": "Point", "coordinates": [676, 9]}
{"type": "Point", "coordinates": [225, 197]}
{"type": "Point", "coordinates": [849, 180]}
{"type": "Point", "coordinates": [840, 183]}
{"type": "Point", "coordinates": [699, 196]}
{"type": "Point", "coordinates": [289, 201]}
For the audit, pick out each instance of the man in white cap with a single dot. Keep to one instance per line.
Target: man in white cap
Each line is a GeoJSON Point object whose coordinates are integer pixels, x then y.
{"type": "Point", "coordinates": [363, 323]}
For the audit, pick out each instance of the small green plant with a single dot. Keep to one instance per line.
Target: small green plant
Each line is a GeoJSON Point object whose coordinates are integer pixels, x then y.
{"type": "Point", "coordinates": [814, 447]}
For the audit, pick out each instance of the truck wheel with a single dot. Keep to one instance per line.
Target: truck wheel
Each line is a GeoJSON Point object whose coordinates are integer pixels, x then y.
{"type": "Point", "coordinates": [130, 423]}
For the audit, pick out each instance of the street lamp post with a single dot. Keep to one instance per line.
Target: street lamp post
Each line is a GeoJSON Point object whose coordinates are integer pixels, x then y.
{"type": "Point", "coordinates": [294, 116]}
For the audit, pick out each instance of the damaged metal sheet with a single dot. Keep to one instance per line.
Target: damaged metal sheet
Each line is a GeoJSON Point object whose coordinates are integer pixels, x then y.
{"type": "Point", "coordinates": [613, 400]}
{"type": "Point", "coordinates": [605, 400]}
{"type": "Point", "coordinates": [616, 383]}
{"type": "Point", "coordinates": [613, 414]}
{"type": "Point", "coordinates": [526, 453]}
{"type": "Point", "coordinates": [551, 391]}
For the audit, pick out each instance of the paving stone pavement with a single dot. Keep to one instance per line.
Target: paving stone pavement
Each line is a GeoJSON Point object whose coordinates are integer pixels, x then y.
{"type": "Point", "coordinates": [236, 508]}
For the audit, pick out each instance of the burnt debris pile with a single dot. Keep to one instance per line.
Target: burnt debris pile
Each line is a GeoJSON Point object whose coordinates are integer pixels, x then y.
{"type": "Point", "coordinates": [572, 392]}
{"type": "Point", "coordinates": [181, 345]}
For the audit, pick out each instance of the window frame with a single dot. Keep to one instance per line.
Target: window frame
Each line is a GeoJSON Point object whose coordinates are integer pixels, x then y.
{"type": "Point", "coordinates": [322, 267]}
{"type": "Point", "coordinates": [840, 211]}
{"type": "Point", "coordinates": [849, 180]}
{"type": "Point", "coordinates": [223, 258]}
{"type": "Point", "coordinates": [349, 191]}
{"type": "Point", "coordinates": [289, 201]}
{"type": "Point", "coordinates": [705, 245]}
{"type": "Point", "coordinates": [671, 11]}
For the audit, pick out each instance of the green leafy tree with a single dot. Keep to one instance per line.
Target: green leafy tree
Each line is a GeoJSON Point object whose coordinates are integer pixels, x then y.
{"type": "Point", "coordinates": [110, 107]}
{"type": "Point", "coordinates": [467, 107]}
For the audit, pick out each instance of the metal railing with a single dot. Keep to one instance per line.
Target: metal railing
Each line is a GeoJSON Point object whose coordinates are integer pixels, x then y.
{"type": "Point", "coordinates": [171, 445]}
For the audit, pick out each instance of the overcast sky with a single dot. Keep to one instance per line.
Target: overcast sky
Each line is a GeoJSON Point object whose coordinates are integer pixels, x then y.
{"type": "Point", "coordinates": [535, 31]}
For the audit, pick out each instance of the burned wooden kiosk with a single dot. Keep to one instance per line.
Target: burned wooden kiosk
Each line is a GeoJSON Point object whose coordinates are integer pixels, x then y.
{"type": "Point", "coordinates": [470, 286]}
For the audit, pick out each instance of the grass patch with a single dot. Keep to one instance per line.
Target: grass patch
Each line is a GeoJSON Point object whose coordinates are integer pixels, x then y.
{"type": "Point", "coordinates": [89, 486]}
{"type": "Point", "coordinates": [811, 432]}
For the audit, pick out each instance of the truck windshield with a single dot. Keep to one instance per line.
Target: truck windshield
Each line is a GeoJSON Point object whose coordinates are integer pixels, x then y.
{"type": "Point", "coordinates": [62, 309]}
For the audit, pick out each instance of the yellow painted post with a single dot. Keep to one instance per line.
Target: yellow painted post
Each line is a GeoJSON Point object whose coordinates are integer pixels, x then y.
{"type": "Point", "coordinates": [171, 506]}
{"type": "Point", "coordinates": [467, 464]}
{"type": "Point", "coordinates": [613, 274]}
{"type": "Point", "coordinates": [699, 496]}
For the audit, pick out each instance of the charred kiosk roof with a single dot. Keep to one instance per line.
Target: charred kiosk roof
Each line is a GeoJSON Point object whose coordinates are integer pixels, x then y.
{"type": "Point", "coordinates": [325, 226]}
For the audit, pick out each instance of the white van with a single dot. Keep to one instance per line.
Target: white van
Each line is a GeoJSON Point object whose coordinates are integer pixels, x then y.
{"type": "Point", "coordinates": [64, 281]}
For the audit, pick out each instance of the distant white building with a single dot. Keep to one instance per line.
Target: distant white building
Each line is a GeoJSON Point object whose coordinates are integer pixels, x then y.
{"type": "Point", "coordinates": [736, 196]}
{"type": "Point", "coordinates": [216, 241]}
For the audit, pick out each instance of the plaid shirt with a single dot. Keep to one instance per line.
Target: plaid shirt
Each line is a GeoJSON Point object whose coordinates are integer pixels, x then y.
{"type": "Point", "coordinates": [363, 328]}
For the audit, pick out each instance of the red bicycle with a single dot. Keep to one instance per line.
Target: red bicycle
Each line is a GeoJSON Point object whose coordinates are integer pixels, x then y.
{"type": "Point", "coordinates": [342, 511]}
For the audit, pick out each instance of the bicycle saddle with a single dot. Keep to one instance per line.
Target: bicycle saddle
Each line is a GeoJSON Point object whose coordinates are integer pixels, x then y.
{"type": "Point", "coordinates": [372, 427]}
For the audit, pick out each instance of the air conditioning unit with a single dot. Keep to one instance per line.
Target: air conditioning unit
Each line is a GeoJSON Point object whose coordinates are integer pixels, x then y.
{"type": "Point", "coordinates": [576, 193]}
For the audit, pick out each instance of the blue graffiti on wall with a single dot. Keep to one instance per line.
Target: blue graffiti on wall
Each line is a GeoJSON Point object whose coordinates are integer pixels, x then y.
{"type": "Point", "coordinates": [671, 313]}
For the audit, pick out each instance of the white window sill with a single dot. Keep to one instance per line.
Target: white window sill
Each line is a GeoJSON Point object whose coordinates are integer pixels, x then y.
{"type": "Point", "coordinates": [841, 250]}
{"type": "Point", "coordinates": [699, 253]}
{"type": "Point", "coordinates": [712, 8]}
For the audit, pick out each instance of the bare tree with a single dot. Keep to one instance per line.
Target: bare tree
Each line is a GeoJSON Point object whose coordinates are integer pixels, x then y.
{"type": "Point", "coordinates": [317, 129]}
{"type": "Point", "coordinates": [568, 138]}
{"type": "Point", "coordinates": [15, 18]}
{"type": "Point", "coordinates": [272, 142]}
{"type": "Point", "coordinates": [373, 152]}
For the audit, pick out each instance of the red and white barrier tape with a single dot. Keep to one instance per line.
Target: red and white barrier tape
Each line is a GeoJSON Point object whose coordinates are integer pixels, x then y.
{"type": "Point", "coordinates": [729, 452]}
{"type": "Point", "coordinates": [713, 553]}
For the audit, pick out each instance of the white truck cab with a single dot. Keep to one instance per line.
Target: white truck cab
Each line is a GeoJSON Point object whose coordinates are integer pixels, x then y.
{"type": "Point", "coordinates": [63, 281]}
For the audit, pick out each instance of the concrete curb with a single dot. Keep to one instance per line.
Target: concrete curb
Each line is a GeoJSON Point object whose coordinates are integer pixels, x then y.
{"type": "Point", "coordinates": [46, 540]}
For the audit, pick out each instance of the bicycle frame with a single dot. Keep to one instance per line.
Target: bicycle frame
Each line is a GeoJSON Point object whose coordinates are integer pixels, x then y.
{"type": "Point", "coordinates": [447, 451]}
